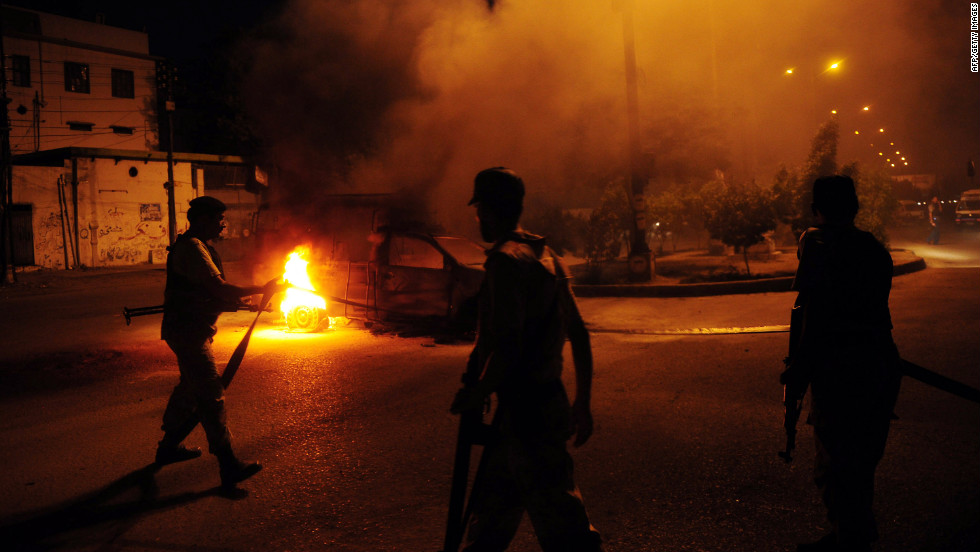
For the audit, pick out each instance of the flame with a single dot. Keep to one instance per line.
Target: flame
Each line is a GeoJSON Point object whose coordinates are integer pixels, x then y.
{"type": "Point", "coordinates": [296, 274]}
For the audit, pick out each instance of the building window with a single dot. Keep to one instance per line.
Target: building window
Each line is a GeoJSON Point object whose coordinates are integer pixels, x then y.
{"type": "Point", "coordinates": [20, 71]}
{"type": "Point", "coordinates": [76, 77]}
{"type": "Point", "coordinates": [122, 83]}
{"type": "Point", "coordinates": [121, 129]}
{"type": "Point", "coordinates": [80, 125]}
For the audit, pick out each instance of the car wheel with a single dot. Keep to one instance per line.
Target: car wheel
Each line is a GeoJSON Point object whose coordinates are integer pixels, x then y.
{"type": "Point", "coordinates": [305, 319]}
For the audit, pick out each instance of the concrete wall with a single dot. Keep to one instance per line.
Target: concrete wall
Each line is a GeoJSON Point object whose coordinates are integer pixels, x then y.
{"type": "Point", "coordinates": [122, 218]}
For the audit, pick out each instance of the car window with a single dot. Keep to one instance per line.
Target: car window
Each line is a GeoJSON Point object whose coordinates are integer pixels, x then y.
{"type": "Point", "coordinates": [465, 251]}
{"type": "Point", "coordinates": [413, 252]}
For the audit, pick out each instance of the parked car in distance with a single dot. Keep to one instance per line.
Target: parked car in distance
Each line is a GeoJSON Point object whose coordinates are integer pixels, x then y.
{"type": "Point", "coordinates": [968, 209]}
{"type": "Point", "coordinates": [910, 211]}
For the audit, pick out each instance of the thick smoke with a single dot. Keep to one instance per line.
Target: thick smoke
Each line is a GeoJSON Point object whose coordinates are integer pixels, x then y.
{"type": "Point", "coordinates": [385, 95]}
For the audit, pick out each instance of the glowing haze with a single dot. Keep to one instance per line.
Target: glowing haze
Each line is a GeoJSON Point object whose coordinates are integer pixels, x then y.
{"type": "Point", "coordinates": [384, 95]}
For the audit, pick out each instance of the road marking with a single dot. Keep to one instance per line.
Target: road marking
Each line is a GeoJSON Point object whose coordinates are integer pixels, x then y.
{"type": "Point", "coordinates": [697, 331]}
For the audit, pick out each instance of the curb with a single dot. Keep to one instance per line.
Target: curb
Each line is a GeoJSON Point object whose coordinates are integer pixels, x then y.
{"type": "Point", "coordinates": [764, 285]}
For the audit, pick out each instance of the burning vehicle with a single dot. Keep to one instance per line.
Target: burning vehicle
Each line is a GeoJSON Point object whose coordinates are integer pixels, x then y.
{"type": "Point", "coordinates": [375, 273]}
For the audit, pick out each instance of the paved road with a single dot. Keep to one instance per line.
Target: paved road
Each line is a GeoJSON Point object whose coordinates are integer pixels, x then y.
{"type": "Point", "coordinates": [357, 441]}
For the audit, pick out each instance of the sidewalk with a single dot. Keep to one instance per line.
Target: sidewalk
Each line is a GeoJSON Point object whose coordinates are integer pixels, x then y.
{"type": "Point", "coordinates": [905, 262]}
{"type": "Point", "coordinates": [38, 282]}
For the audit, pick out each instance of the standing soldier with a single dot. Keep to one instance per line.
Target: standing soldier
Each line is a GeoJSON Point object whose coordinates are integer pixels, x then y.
{"type": "Point", "coordinates": [846, 355]}
{"type": "Point", "coordinates": [195, 295]}
{"type": "Point", "coordinates": [526, 312]}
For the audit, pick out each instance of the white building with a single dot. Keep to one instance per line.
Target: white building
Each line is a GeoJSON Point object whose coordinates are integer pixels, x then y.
{"type": "Point", "coordinates": [76, 83]}
{"type": "Point", "coordinates": [88, 179]}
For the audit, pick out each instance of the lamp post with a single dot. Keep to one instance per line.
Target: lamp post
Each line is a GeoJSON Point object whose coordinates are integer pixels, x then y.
{"type": "Point", "coordinates": [639, 253]}
{"type": "Point", "coordinates": [832, 67]}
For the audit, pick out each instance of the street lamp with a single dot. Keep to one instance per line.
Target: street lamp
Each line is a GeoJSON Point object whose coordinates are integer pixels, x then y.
{"type": "Point", "coordinates": [832, 67]}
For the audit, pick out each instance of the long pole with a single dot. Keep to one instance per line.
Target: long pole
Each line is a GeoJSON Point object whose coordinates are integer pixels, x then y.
{"type": "Point", "coordinates": [639, 254]}
{"type": "Point", "coordinates": [6, 184]}
{"type": "Point", "coordinates": [165, 85]}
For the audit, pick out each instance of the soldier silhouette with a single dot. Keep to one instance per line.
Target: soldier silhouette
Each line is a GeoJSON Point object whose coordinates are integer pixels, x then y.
{"type": "Point", "coordinates": [196, 293]}
{"type": "Point", "coordinates": [845, 354]}
{"type": "Point", "coordinates": [526, 312]}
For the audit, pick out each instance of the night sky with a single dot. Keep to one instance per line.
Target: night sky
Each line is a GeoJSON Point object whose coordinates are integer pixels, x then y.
{"type": "Point", "coordinates": [422, 94]}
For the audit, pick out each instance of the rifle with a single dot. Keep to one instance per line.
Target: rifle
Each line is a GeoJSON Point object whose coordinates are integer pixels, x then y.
{"type": "Point", "coordinates": [472, 431]}
{"type": "Point", "coordinates": [939, 381]}
{"type": "Point", "coordinates": [234, 362]}
{"type": "Point", "coordinates": [792, 391]}
{"type": "Point", "coordinates": [794, 387]}
{"type": "Point", "coordinates": [129, 313]}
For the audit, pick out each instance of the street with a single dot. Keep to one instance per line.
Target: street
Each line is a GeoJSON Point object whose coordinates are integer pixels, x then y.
{"type": "Point", "coordinates": [357, 441]}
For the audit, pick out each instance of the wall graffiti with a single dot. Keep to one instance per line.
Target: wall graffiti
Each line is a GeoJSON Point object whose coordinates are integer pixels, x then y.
{"type": "Point", "coordinates": [49, 246]}
{"type": "Point", "coordinates": [131, 237]}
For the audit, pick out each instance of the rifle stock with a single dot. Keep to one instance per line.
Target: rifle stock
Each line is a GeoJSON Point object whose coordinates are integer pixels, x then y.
{"type": "Point", "coordinates": [456, 521]}
{"type": "Point", "coordinates": [793, 391]}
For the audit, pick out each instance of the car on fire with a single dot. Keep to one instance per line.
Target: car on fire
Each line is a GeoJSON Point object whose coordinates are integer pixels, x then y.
{"type": "Point", "coordinates": [416, 278]}
{"type": "Point", "coordinates": [416, 275]}
{"type": "Point", "coordinates": [368, 257]}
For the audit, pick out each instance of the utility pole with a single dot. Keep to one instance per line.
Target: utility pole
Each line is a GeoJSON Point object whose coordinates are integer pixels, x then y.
{"type": "Point", "coordinates": [639, 254]}
{"type": "Point", "coordinates": [166, 77]}
{"type": "Point", "coordinates": [6, 174]}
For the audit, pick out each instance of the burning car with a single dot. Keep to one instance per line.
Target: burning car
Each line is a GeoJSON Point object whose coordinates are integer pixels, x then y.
{"type": "Point", "coordinates": [411, 277]}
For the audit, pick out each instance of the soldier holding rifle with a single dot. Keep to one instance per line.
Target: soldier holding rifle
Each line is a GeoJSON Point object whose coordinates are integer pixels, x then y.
{"type": "Point", "coordinates": [845, 354]}
{"type": "Point", "coordinates": [196, 293]}
{"type": "Point", "coordinates": [526, 312]}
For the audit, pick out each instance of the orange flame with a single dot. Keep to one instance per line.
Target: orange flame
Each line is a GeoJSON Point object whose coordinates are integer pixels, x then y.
{"type": "Point", "coordinates": [296, 274]}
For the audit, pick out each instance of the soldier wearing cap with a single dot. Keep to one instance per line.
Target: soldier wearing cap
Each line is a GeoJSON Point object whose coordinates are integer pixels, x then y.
{"type": "Point", "coordinates": [845, 354]}
{"type": "Point", "coordinates": [196, 293]}
{"type": "Point", "coordinates": [527, 311]}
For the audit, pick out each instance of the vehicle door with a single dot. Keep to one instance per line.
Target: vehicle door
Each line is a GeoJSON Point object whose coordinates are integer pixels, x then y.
{"type": "Point", "coordinates": [413, 280]}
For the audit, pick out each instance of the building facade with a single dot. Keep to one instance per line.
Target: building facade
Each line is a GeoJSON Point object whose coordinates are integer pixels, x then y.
{"type": "Point", "coordinates": [88, 184]}
{"type": "Point", "coordinates": [77, 83]}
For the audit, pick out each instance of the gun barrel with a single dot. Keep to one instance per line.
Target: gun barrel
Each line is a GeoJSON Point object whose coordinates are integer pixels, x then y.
{"type": "Point", "coordinates": [130, 313]}
{"type": "Point", "coordinates": [140, 311]}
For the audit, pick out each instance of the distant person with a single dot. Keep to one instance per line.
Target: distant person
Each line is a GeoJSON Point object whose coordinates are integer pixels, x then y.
{"type": "Point", "coordinates": [935, 209]}
{"type": "Point", "coordinates": [846, 356]}
{"type": "Point", "coordinates": [195, 295]}
{"type": "Point", "coordinates": [526, 312]}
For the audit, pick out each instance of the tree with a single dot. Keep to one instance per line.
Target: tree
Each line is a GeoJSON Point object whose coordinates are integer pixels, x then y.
{"type": "Point", "coordinates": [786, 191]}
{"type": "Point", "coordinates": [739, 216]}
{"type": "Point", "coordinates": [565, 232]}
{"type": "Point", "coordinates": [607, 225]}
{"type": "Point", "coordinates": [666, 209]}
{"type": "Point", "coordinates": [822, 161]}
{"type": "Point", "coordinates": [877, 199]}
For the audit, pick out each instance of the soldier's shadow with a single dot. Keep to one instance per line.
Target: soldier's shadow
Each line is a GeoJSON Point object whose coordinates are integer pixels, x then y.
{"type": "Point", "coordinates": [101, 516]}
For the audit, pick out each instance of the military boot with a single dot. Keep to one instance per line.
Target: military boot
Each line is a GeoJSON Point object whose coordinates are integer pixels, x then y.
{"type": "Point", "coordinates": [233, 470]}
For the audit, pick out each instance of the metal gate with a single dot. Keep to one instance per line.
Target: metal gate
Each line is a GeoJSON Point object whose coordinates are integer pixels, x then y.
{"type": "Point", "coordinates": [22, 233]}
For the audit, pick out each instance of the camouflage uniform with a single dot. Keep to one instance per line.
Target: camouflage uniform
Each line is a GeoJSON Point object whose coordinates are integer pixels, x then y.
{"type": "Point", "coordinates": [526, 303]}
{"type": "Point", "coordinates": [852, 366]}
{"type": "Point", "coordinates": [188, 327]}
